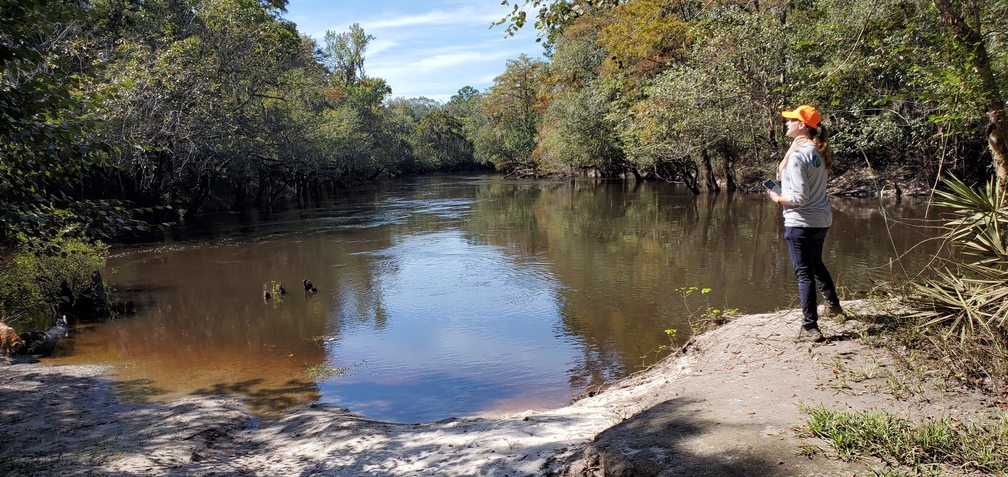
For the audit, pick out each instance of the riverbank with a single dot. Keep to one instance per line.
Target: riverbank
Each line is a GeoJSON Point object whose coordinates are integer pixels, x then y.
{"type": "Point", "coordinates": [727, 404]}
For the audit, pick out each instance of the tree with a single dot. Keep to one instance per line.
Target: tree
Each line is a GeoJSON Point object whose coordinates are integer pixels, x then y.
{"type": "Point", "coordinates": [50, 142]}
{"type": "Point", "coordinates": [643, 36]}
{"type": "Point", "coordinates": [512, 111]}
{"type": "Point", "coordinates": [464, 95]}
{"type": "Point", "coordinates": [197, 79]}
{"type": "Point", "coordinates": [440, 143]}
{"type": "Point", "coordinates": [577, 132]}
{"type": "Point", "coordinates": [415, 108]}
{"type": "Point", "coordinates": [49, 134]}
{"type": "Point", "coordinates": [344, 53]}
{"type": "Point", "coordinates": [971, 40]}
{"type": "Point", "coordinates": [552, 15]}
{"type": "Point", "coordinates": [465, 104]}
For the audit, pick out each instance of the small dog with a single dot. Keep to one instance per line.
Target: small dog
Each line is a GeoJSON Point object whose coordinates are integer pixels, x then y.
{"type": "Point", "coordinates": [9, 340]}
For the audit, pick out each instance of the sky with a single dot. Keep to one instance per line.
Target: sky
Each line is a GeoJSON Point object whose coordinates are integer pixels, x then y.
{"type": "Point", "coordinates": [426, 48]}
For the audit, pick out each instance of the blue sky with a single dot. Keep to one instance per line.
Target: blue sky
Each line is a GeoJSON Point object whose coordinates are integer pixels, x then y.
{"type": "Point", "coordinates": [423, 48]}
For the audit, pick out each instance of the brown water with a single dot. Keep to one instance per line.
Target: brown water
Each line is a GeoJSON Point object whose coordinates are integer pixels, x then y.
{"type": "Point", "coordinates": [458, 296]}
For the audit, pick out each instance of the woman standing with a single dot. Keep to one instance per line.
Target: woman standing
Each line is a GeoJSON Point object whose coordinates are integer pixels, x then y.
{"type": "Point", "coordinates": [807, 217]}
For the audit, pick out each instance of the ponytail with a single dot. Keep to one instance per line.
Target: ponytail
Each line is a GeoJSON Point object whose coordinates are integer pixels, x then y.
{"type": "Point", "coordinates": [820, 137]}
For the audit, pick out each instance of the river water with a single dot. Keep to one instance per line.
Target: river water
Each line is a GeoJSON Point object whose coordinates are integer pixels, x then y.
{"type": "Point", "coordinates": [460, 296]}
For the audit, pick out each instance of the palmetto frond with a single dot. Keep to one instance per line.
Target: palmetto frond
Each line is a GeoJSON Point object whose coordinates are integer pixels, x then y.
{"type": "Point", "coordinates": [969, 298]}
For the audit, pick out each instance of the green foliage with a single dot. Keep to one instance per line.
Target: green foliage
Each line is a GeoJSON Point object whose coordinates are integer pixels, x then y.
{"type": "Point", "coordinates": [923, 446]}
{"type": "Point", "coordinates": [344, 54]}
{"type": "Point", "coordinates": [577, 132]}
{"type": "Point", "coordinates": [183, 103]}
{"type": "Point", "coordinates": [707, 81]}
{"type": "Point", "coordinates": [872, 66]}
{"type": "Point", "coordinates": [440, 143]}
{"type": "Point", "coordinates": [671, 334]}
{"type": "Point", "coordinates": [276, 292]}
{"type": "Point", "coordinates": [49, 132]}
{"type": "Point", "coordinates": [701, 318]}
{"type": "Point", "coordinates": [224, 100]}
{"type": "Point", "coordinates": [969, 297]}
{"type": "Point", "coordinates": [506, 135]}
{"type": "Point", "coordinates": [552, 15]}
{"type": "Point", "coordinates": [464, 95]}
{"type": "Point", "coordinates": [965, 303]}
{"type": "Point", "coordinates": [704, 317]}
{"type": "Point", "coordinates": [31, 278]}
{"type": "Point", "coordinates": [199, 84]}
{"type": "Point", "coordinates": [643, 35]}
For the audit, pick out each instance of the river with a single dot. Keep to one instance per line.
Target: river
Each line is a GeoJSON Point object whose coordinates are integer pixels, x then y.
{"type": "Point", "coordinates": [461, 295]}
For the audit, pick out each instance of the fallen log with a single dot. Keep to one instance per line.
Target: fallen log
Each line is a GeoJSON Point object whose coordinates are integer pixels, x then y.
{"type": "Point", "coordinates": [37, 343]}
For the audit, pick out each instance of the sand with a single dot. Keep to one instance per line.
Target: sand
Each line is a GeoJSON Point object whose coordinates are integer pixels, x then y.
{"type": "Point", "coordinates": [726, 404]}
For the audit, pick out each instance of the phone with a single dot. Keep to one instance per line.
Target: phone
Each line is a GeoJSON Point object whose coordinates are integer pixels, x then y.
{"type": "Point", "coordinates": [770, 184]}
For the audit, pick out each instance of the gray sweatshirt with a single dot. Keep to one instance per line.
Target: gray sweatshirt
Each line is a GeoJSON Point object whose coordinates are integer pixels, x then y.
{"type": "Point", "coordinates": [803, 185]}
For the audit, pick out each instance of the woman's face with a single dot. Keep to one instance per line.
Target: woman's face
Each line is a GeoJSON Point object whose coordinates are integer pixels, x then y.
{"type": "Point", "coordinates": [796, 128]}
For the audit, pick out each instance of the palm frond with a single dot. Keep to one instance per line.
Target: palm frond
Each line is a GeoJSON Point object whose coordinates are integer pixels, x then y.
{"type": "Point", "coordinates": [968, 298]}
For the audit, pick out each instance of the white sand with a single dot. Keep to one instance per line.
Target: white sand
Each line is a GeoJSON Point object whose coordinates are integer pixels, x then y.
{"type": "Point", "coordinates": [726, 405]}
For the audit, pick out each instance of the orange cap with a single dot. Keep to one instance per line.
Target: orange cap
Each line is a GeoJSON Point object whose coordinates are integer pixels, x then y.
{"type": "Point", "coordinates": [806, 114]}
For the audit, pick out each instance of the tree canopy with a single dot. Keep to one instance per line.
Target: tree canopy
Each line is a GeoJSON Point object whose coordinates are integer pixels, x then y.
{"type": "Point", "coordinates": [114, 108]}
{"type": "Point", "coordinates": [916, 85]}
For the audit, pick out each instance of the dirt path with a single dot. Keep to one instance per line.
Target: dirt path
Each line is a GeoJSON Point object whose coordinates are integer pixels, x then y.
{"type": "Point", "coordinates": [727, 405]}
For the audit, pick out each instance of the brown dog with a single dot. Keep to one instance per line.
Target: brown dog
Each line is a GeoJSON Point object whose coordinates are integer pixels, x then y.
{"type": "Point", "coordinates": [9, 340]}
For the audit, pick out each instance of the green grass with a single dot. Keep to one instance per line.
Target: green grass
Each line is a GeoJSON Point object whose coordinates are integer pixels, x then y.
{"type": "Point", "coordinates": [923, 446]}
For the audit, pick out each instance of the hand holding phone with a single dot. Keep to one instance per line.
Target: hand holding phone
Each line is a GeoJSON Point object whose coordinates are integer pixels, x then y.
{"type": "Point", "coordinates": [771, 185]}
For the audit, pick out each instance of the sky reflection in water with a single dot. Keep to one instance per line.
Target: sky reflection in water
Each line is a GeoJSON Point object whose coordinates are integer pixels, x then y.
{"type": "Point", "coordinates": [456, 296]}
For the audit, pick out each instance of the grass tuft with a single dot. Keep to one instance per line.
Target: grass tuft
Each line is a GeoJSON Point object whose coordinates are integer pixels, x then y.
{"type": "Point", "coordinates": [923, 446]}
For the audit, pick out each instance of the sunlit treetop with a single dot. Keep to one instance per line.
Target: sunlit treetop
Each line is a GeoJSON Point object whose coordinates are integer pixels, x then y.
{"type": "Point", "coordinates": [552, 14]}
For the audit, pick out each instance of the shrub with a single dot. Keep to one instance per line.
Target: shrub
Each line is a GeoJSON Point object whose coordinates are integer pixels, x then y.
{"type": "Point", "coordinates": [963, 306]}
{"type": "Point", "coordinates": [32, 276]}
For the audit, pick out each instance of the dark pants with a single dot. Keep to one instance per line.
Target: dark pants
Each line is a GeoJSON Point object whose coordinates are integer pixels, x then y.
{"type": "Point", "coordinates": [806, 246]}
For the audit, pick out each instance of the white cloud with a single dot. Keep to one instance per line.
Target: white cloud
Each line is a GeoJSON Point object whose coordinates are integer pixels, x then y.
{"type": "Point", "coordinates": [436, 17]}
{"type": "Point", "coordinates": [488, 78]}
{"type": "Point", "coordinates": [377, 46]}
{"type": "Point", "coordinates": [428, 48]}
{"type": "Point", "coordinates": [449, 59]}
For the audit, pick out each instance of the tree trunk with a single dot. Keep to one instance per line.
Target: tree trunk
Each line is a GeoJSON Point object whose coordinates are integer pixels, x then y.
{"type": "Point", "coordinates": [203, 189]}
{"type": "Point", "coordinates": [993, 102]}
{"type": "Point", "coordinates": [89, 306]}
{"type": "Point", "coordinates": [37, 343]}
{"type": "Point", "coordinates": [728, 161]}
{"type": "Point", "coordinates": [261, 190]}
{"type": "Point", "coordinates": [636, 174]}
{"type": "Point", "coordinates": [241, 190]}
{"type": "Point", "coordinates": [709, 176]}
{"type": "Point", "coordinates": [690, 174]}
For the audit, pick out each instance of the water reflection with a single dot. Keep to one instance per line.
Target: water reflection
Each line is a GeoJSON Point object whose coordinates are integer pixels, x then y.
{"type": "Point", "coordinates": [455, 296]}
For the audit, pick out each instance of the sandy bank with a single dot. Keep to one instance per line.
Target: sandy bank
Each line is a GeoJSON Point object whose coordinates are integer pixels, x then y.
{"type": "Point", "coordinates": [726, 405]}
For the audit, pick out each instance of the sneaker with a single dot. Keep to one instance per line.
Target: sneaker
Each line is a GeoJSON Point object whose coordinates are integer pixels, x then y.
{"type": "Point", "coordinates": [830, 310]}
{"type": "Point", "coordinates": [810, 334]}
